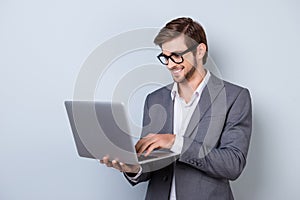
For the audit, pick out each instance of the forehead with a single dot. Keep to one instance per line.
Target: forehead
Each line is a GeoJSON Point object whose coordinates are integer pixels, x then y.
{"type": "Point", "coordinates": [175, 45]}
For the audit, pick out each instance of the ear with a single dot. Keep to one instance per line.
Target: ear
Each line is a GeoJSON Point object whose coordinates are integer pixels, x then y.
{"type": "Point", "coordinates": [201, 49]}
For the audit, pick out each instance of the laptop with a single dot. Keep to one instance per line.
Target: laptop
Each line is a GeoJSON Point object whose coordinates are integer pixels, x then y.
{"type": "Point", "coordinates": [102, 129]}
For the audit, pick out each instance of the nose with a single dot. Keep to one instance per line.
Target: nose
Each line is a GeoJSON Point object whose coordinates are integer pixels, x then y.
{"type": "Point", "coordinates": [171, 64]}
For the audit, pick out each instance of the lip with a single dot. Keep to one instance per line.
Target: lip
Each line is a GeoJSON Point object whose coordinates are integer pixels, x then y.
{"type": "Point", "coordinates": [177, 70]}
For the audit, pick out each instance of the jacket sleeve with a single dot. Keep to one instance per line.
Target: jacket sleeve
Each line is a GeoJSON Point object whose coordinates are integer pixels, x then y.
{"type": "Point", "coordinates": [143, 177]}
{"type": "Point", "coordinates": [228, 158]}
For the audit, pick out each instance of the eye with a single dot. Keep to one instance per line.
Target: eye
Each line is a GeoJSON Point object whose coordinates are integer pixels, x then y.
{"type": "Point", "coordinates": [176, 55]}
{"type": "Point", "coordinates": [164, 57]}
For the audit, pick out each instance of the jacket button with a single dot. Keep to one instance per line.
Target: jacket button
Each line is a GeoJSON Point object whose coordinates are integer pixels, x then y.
{"type": "Point", "coordinates": [165, 178]}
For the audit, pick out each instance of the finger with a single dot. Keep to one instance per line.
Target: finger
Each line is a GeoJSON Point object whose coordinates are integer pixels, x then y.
{"type": "Point", "coordinates": [144, 147]}
{"type": "Point", "coordinates": [149, 141]}
{"type": "Point", "coordinates": [151, 148]}
{"type": "Point", "coordinates": [116, 165]}
{"type": "Point", "coordinates": [107, 162]}
{"type": "Point", "coordinates": [140, 143]}
{"type": "Point", "coordinates": [143, 140]}
{"type": "Point", "coordinates": [105, 158]}
{"type": "Point", "coordinates": [124, 167]}
{"type": "Point", "coordinates": [130, 168]}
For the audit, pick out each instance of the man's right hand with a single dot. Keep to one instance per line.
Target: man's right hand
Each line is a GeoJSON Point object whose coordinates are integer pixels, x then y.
{"type": "Point", "coordinates": [122, 167]}
{"type": "Point", "coordinates": [154, 141]}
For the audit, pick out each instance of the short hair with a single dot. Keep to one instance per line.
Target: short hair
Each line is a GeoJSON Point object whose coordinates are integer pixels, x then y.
{"type": "Point", "coordinates": [192, 30]}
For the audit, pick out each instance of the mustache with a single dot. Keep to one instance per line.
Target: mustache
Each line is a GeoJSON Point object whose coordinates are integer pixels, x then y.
{"type": "Point", "coordinates": [176, 67]}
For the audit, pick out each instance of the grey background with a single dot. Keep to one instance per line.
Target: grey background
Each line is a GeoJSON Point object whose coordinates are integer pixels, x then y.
{"type": "Point", "coordinates": [44, 43]}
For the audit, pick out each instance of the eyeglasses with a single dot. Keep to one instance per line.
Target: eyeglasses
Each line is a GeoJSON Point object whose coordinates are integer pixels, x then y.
{"type": "Point", "coordinates": [175, 57]}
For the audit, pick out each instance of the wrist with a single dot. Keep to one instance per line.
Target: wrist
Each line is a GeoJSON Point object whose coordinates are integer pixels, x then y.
{"type": "Point", "coordinates": [173, 136]}
{"type": "Point", "coordinates": [136, 170]}
{"type": "Point", "coordinates": [135, 173]}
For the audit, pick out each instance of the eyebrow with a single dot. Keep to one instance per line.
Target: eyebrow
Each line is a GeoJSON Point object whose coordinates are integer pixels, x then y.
{"type": "Point", "coordinates": [176, 52]}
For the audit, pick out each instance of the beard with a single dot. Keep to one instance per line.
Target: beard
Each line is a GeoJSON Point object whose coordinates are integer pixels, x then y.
{"type": "Point", "coordinates": [187, 76]}
{"type": "Point", "coordinates": [191, 72]}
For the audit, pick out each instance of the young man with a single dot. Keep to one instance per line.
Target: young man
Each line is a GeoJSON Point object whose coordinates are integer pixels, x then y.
{"type": "Point", "coordinates": [207, 120]}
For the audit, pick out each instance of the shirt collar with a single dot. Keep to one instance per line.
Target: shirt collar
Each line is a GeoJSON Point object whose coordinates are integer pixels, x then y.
{"type": "Point", "coordinates": [199, 89]}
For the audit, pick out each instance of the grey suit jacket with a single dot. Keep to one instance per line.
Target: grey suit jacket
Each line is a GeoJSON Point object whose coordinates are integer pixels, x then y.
{"type": "Point", "coordinates": [215, 143]}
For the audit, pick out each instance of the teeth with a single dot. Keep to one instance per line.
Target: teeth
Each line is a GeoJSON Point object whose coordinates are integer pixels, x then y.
{"type": "Point", "coordinates": [176, 71]}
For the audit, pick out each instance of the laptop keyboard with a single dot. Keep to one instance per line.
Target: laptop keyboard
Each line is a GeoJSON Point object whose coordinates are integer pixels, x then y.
{"type": "Point", "coordinates": [142, 157]}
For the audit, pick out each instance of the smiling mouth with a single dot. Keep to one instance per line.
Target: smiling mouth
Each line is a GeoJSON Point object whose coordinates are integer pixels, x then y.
{"type": "Point", "coordinates": [177, 70]}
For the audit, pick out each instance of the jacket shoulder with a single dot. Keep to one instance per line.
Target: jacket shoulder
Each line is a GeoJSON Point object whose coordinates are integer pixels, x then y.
{"type": "Point", "coordinates": [235, 92]}
{"type": "Point", "coordinates": [161, 92]}
{"type": "Point", "coordinates": [232, 90]}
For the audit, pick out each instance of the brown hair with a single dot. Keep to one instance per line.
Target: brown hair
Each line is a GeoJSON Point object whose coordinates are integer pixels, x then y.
{"type": "Point", "coordinates": [192, 30]}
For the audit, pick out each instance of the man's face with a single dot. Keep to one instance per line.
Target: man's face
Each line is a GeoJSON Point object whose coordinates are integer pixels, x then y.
{"type": "Point", "coordinates": [180, 72]}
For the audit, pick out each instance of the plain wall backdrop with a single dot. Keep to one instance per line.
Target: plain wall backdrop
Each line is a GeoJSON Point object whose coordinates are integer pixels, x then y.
{"type": "Point", "coordinates": [43, 45]}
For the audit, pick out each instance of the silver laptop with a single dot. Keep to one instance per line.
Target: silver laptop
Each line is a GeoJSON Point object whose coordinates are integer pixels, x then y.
{"type": "Point", "coordinates": [102, 129]}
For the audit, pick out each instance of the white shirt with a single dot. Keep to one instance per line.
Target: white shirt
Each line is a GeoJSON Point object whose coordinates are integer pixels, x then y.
{"type": "Point", "coordinates": [182, 115]}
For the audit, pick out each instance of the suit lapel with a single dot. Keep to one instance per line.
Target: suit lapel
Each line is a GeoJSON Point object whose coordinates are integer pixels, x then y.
{"type": "Point", "coordinates": [169, 106]}
{"type": "Point", "coordinates": [209, 94]}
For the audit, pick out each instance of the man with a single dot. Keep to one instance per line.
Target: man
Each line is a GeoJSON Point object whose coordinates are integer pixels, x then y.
{"type": "Point", "coordinates": [207, 120]}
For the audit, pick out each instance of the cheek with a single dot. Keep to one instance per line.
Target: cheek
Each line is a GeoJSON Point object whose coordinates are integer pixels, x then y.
{"type": "Point", "coordinates": [189, 60]}
{"type": "Point", "coordinates": [189, 63]}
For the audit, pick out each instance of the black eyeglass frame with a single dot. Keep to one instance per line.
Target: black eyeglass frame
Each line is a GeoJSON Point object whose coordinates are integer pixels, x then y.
{"type": "Point", "coordinates": [176, 54]}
